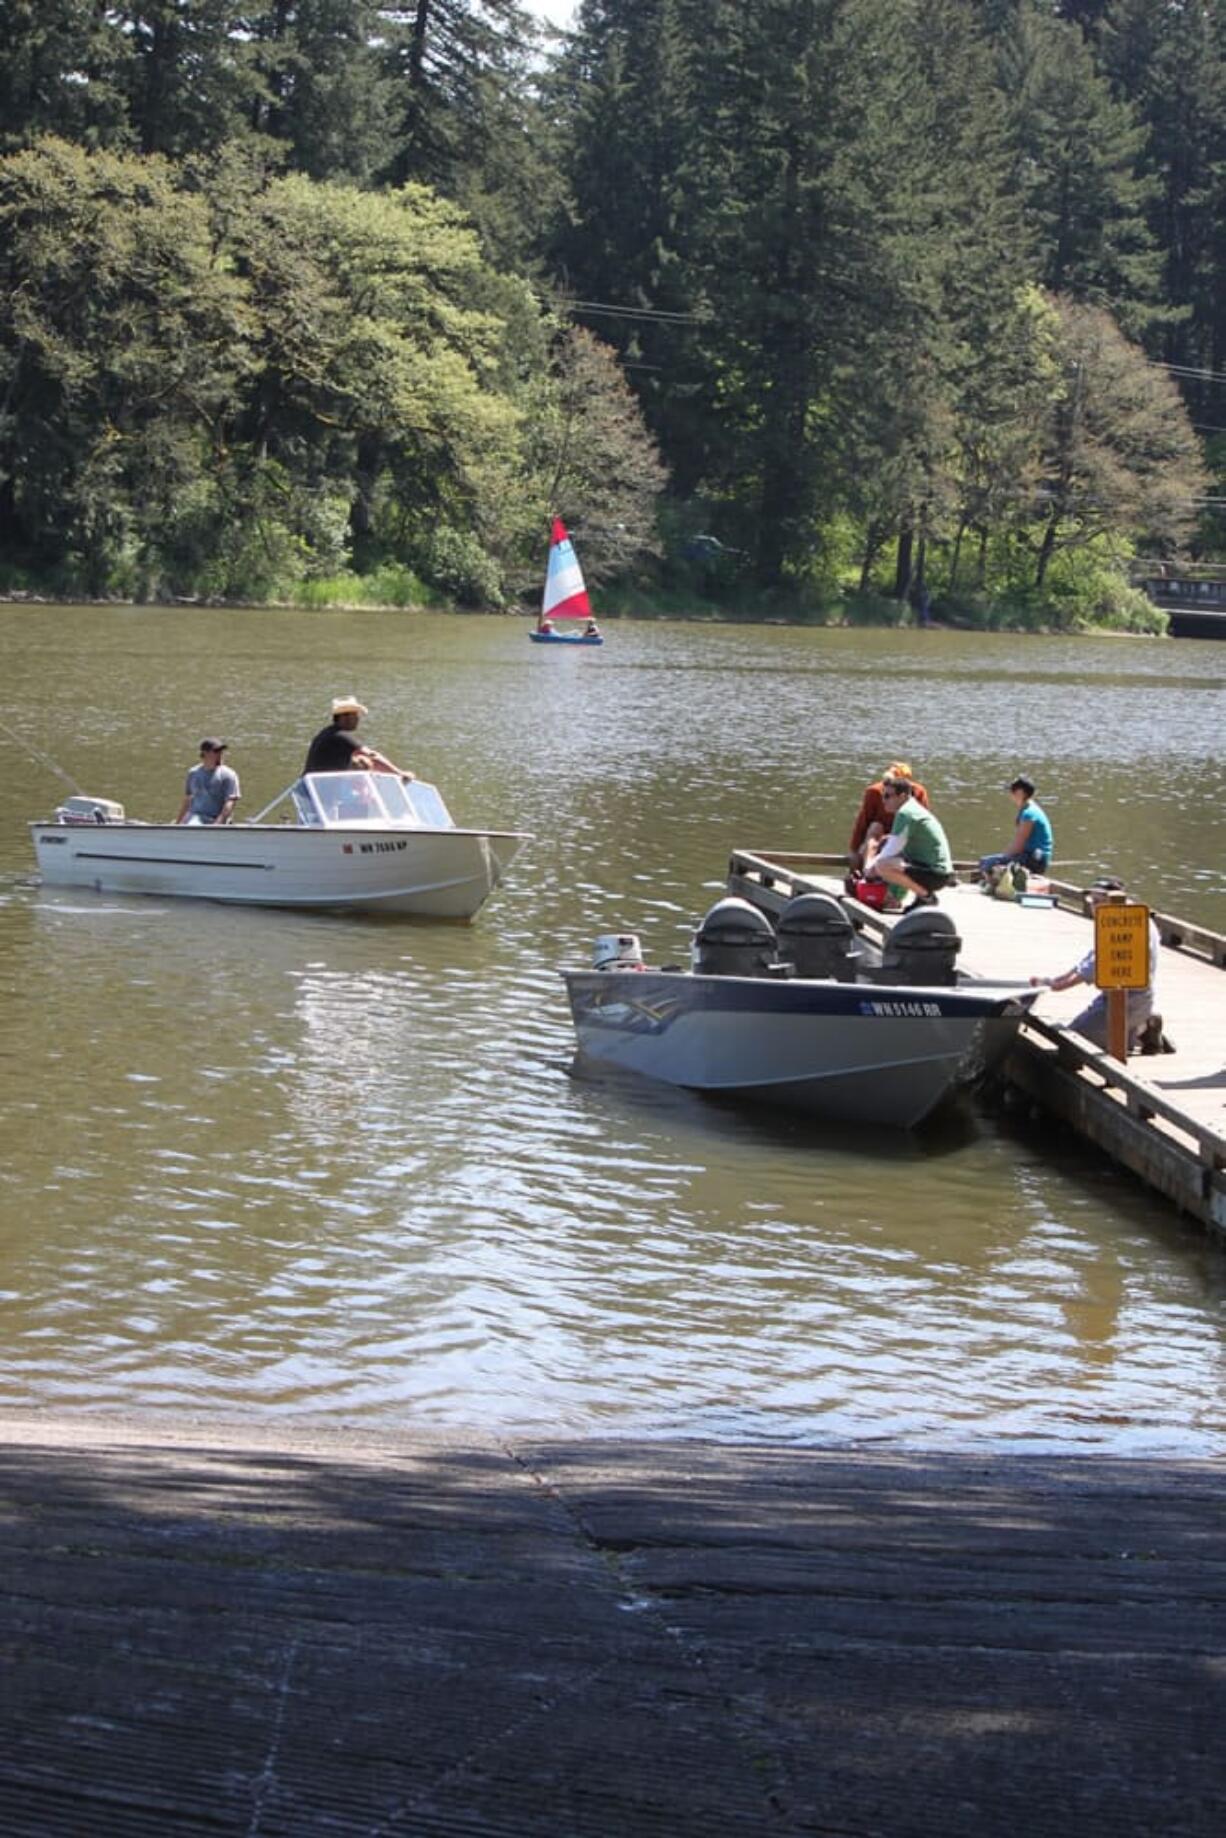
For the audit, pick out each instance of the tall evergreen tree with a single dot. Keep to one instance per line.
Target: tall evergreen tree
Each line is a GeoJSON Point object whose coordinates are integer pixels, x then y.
{"type": "Point", "coordinates": [1171, 64]}
{"type": "Point", "coordinates": [189, 77]}
{"type": "Point", "coordinates": [325, 94]}
{"type": "Point", "coordinates": [624, 93]}
{"type": "Point", "coordinates": [802, 203]}
{"type": "Point", "coordinates": [1077, 166]}
{"type": "Point", "coordinates": [948, 393]}
{"type": "Point", "coordinates": [60, 68]}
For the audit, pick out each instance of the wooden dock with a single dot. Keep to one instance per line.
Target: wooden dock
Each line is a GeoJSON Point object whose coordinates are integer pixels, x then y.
{"type": "Point", "coordinates": [1193, 598]}
{"type": "Point", "coordinates": [257, 1631]}
{"type": "Point", "coordinates": [1162, 1117]}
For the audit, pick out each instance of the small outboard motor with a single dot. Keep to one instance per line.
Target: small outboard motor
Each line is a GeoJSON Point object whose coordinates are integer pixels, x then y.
{"type": "Point", "coordinates": [922, 947]}
{"type": "Point", "coordinates": [735, 939]}
{"type": "Point", "coordinates": [84, 809]}
{"type": "Point", "coordinates": [617, 951]}
{"type": "Point", "coordinates": [817, 938]}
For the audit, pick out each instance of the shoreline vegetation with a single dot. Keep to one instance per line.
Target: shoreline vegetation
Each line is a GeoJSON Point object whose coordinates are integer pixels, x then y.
{"type": "Point", "coordinates": [847, 612]}
{"type": "Point", "coordinates": [835, 314]}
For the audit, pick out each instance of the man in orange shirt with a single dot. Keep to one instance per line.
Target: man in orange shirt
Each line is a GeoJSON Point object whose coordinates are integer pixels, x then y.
{"type": "Point", "coordinates": [872, 819]}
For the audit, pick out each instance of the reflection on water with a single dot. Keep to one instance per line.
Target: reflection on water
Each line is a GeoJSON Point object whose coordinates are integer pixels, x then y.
{"type": "Point", "coordinates": [260, 1161]}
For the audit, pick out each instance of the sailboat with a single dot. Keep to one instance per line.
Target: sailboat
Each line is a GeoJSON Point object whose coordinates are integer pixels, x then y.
{"type": "Point", "coordinates": [565, 595]}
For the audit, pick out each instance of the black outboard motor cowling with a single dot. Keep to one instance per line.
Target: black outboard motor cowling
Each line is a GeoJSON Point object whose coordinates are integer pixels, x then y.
{"type": "Point", "coordinates": [817, 938]}
{"type": "Point", "coordinates": [735, 939]}
{"type": "Point", "coordinates": [922, 947]}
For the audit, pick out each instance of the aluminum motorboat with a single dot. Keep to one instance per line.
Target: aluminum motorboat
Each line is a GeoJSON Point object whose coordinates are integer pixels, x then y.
{"type": "Point", "coordinates": [366, 842]}
{"type": "Point", "coordinates": [811, 1018]}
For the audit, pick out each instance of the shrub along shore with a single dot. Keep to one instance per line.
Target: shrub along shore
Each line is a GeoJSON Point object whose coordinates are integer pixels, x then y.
{"type": "Point", "coordinates": [1134, 615]}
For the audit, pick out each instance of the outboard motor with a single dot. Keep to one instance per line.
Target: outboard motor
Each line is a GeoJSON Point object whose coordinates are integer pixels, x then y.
{"type": "Point", "coordinates": [89, 810]}
{"type": "Point", "coordinates": [735, 939]}
{"type": "Point", "coordinates": [617, 951]}
{"type": "Point", "coordinates": [922, 947]}
{"type": "Point", "coordinates": [817, 938]}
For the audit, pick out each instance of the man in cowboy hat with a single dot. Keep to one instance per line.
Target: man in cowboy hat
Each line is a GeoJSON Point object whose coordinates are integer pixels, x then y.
{"type": "Point", "coordinates": [211, 790]}
{"type": "Point", "coordinates": [337, 748]}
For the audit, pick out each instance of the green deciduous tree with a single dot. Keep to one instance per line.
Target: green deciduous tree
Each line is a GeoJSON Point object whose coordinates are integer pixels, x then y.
{"type": "Point", "coordinates": [1119, 458]}
{"type": "Point", "coordinates": [123, 343]}
{"type": "Point", "coordinates": [589, 459]}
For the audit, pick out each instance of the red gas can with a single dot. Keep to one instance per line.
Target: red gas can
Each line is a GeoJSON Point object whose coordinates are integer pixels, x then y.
{"type": "Point", "coordinates": [872, 893]}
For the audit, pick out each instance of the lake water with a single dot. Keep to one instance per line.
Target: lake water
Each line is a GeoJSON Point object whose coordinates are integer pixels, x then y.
{"type": "Point", "coordinates": [254, 1162]}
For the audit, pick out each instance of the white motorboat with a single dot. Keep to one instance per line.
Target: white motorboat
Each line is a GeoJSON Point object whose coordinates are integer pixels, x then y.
{"type": "Point", "coordinates": [351, 841]}
{"type": "Point", "coordinates": [812, 1018]}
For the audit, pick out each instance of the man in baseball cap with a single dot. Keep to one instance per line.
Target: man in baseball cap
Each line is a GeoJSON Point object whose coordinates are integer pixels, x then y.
{"type": "Point", "coordinates": [1092, 1021]}
{"type": "Point", "coordinates": [211, 789]}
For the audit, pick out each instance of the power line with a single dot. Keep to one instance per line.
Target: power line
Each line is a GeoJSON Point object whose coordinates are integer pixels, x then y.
{"type": "Point", "coordinates": [1189, 370]}
{"type": "Point", "coordinates": [637, 312]}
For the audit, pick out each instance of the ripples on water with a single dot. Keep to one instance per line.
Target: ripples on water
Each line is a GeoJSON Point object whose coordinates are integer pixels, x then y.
{"type": "Point", "coordinates": [259, 1161]}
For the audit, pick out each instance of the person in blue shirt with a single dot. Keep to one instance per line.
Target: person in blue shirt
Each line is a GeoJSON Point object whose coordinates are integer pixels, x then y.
{"type": "Point", "coordinates": [1032, 843]}
{"type": "Point", "coordinates": [211, 790]}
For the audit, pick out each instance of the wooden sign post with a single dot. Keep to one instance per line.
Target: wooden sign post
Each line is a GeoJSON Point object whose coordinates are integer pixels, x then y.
{"type": "Point", "coordinates": [1121, 962]}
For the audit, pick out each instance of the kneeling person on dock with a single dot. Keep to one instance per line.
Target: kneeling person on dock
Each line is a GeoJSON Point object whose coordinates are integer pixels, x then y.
{"type": "Point", "coordinates": [1092, 1021]}
{"type": "Point", "coordinates": [872, 823]}
{"type": "Point", "coordinates": [916, 853]}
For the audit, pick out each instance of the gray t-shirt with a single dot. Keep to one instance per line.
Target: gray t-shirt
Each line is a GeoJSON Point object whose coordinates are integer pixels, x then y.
{"type": "Point", "coordinates": [210, 788]}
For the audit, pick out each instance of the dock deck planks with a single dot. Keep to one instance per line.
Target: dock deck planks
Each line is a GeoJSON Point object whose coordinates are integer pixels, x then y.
{"type": "Point", "coordinates": [1162, 1116]}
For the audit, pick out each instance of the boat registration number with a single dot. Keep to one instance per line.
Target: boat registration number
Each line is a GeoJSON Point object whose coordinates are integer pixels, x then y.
{"type": "Point", "coordinates": [922, 1011]}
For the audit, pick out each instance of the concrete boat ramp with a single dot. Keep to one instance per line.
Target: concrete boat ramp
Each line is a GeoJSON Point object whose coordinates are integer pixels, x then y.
{"type": "Point", "coordinates": [235, 1630]}
{"type": "Point", "coordinates": [1162, 1117]}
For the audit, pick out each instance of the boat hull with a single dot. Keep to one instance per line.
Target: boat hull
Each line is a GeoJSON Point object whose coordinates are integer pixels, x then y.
{"type": "Point", "coordinates": [424, 874]}
{"type": "Point", "coordinates": [861, 1053]}
{"type": "Point", "coordinates": [565, 638]}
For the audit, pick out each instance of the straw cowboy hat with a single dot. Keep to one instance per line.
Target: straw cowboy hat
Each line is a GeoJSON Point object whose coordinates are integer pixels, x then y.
{"type": "Point", "coordinates": [348, 705]}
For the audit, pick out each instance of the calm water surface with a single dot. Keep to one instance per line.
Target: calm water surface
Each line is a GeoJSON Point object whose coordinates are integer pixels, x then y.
{"type": "Point", "coordinates": [256, 1162]}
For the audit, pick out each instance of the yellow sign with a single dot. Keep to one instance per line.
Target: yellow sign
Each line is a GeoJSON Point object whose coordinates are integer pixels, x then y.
{"type": "Point", "coordinates": [1121, 945]}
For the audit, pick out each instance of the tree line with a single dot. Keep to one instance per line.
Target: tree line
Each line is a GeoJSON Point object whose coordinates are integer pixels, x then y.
{"type": "Point", "coordinates": [774, 303]}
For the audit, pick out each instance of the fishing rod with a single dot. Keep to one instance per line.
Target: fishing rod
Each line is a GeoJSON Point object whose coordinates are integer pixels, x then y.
{"type": "Point", "coordinates": [44, 759]}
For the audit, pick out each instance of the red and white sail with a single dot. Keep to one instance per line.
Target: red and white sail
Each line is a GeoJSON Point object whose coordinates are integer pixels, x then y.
{"type": "Point", "coordinates": [565, 593]}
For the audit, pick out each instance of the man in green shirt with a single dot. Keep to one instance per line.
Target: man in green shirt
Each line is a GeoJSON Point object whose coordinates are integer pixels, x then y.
{"type": "Point", "coordinates": [915, 854]}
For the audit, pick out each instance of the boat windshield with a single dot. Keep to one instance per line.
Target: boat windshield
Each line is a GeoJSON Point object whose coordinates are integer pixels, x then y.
{"type": "Point", "coordinates": [377, 799]}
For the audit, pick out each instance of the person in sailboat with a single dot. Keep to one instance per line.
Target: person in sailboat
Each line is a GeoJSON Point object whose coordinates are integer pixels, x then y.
{"type": "Point", "coordinates": [591, 629]}
{"type": "Point", "coordinates": [338, 747]}
{"type": "Point", "coordinates": [544, 623]}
